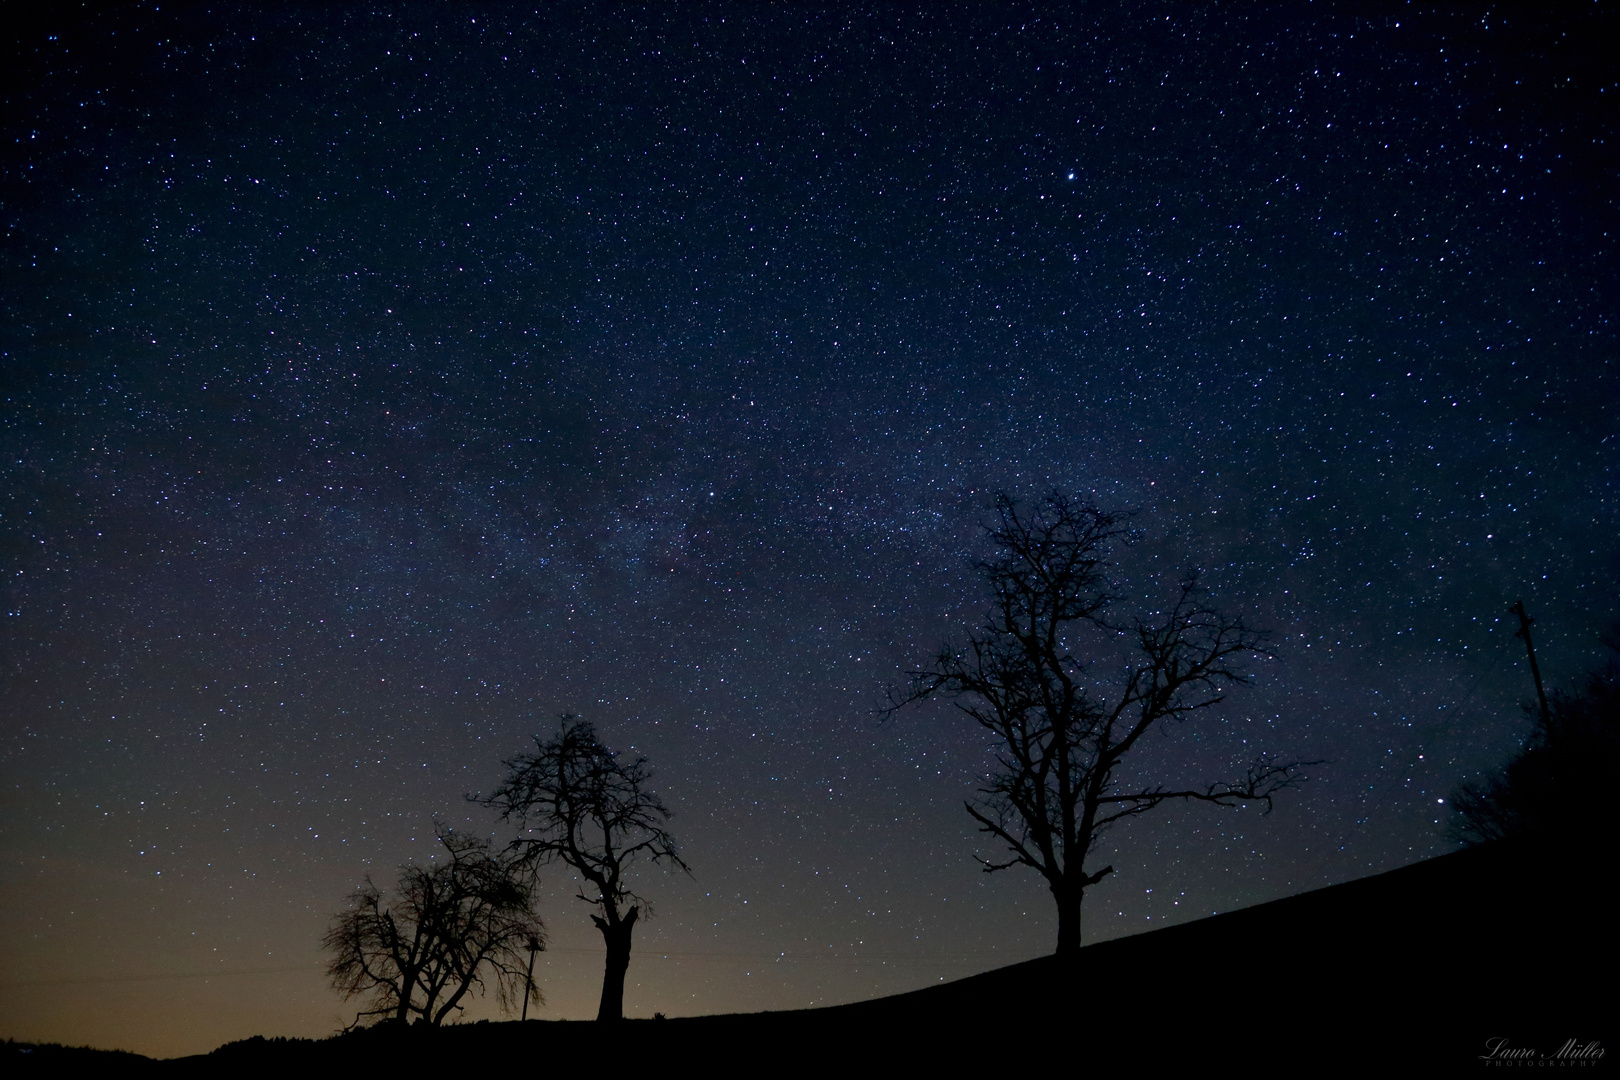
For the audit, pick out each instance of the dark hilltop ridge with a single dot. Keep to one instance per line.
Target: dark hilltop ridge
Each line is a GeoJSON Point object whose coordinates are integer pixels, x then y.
{"type": "Point", "coordinates": [1506, 949]}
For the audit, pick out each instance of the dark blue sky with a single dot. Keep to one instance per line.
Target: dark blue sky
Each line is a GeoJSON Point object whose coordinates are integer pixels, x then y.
{"type": "Point", "coordinates": [378, 384]}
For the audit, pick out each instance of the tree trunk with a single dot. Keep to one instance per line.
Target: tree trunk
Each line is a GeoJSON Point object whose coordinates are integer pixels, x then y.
{"type": "Point", "coordinates": [1068, 905]}
{"type": "Point", "coordinates": [407, 981]}
{"type": "Point", "coordinates": [617, 935]}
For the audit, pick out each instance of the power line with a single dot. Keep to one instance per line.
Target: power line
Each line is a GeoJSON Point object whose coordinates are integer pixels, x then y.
{"type": "Point", "coordinates": [793, 958]}
{"type": "Point", "coordinates": [148, 978]}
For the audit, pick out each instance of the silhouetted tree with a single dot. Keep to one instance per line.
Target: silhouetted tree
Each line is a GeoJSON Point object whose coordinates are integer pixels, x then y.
{"type": "Point", "coordinates": [447, 926]}
{"type": "Point", "coordinates": [1560, 785]}
{"type": "Point", "coordinates": [580, 804]}
{"type": "Point", "coordinates": [1027, 677]}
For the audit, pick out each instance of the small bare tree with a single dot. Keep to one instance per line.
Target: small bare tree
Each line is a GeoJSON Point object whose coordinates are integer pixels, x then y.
{"type": "Point", "coordinates": [579, 804]}
{"type": "Point", "coordinates": [420, 952]}
{"type": "Point", "coordinates": [1061, 734]}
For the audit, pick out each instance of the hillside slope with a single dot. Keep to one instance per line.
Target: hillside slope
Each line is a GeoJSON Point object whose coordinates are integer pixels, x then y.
{"type": "Point", "coordinates": [1429, 964]}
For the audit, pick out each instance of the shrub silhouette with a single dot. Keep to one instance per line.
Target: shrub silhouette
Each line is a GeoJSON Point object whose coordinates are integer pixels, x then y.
{"type": "Point", "coordinates": [1559, 784]}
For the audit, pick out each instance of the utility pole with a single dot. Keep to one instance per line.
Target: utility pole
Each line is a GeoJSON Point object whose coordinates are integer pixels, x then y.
{"type": "Point", "coordinates": [528, 980]}
{"type": "Point", "coordinates": [1535, 670]}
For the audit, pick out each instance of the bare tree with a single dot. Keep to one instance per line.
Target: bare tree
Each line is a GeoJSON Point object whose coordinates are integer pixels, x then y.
{"type": "Point", "coordinates": [447, 926]}
{"type": "Point", "coordinates": [1061, 733]}
{"type": "Point", "coordinates": [578, 803]}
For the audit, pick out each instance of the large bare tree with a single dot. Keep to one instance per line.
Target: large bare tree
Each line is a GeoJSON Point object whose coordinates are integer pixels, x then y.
{"type": "Point", "coordinates": [448, 924]}
{"type": "Point", "coordinates": [1062, 728]}
{"type": "Point", "coordinates": [580, 804]}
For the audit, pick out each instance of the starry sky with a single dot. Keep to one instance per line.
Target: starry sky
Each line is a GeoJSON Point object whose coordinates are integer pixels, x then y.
{"type": "Point", "coordinates": [377, 384]}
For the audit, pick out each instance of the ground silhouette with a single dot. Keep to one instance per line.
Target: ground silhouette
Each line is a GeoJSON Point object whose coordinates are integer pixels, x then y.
{"type": "Point", "coordinates": [1427, 964]}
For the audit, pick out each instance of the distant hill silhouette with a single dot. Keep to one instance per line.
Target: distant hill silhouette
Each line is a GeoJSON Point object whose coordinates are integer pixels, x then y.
{"type": "Point", "coordinates": [1426, 964]}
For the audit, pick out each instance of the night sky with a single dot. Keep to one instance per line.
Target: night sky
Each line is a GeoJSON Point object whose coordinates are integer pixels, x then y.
{"type": "Point", "coordinates": [379, 384]}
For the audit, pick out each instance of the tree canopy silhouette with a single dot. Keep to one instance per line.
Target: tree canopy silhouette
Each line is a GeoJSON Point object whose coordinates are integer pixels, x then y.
{"type": "Point", "coordinates": [420, 951]}
{"type": "Point", "coordinates": [1061, 732]}
{"type": "Point", "coordinates": [1558, 786]}
{"type": "Point", "coordinates": [580, 804]}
